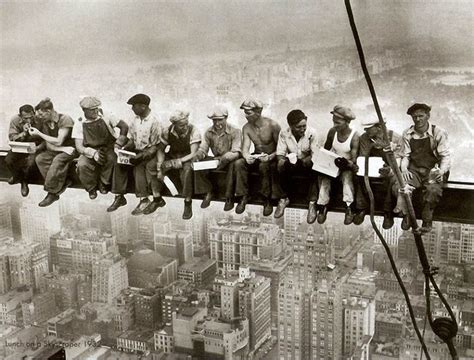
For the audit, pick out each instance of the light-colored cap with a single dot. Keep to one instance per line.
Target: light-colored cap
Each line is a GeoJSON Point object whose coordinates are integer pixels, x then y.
{"type": "Point", "coordinates": [343, 112]}
{"type": "Point", "coordinates": [179, 115]}
{"type": "Point", "coordinates": [218, 113]}
{"type": "Point", "coordinates": [90, 102]}
{"type": "Point", "coordinates": [251, 104]}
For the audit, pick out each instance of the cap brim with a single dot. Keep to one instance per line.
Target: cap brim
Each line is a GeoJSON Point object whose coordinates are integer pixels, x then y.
{"type": "Point", "coordinates": [339, 115]}
{"type": "Point", "coordinates": [217, 117]}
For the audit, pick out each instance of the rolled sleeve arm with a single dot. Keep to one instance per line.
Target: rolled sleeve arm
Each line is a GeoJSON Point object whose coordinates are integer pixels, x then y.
{"type": "Point", "coordinates": [195, 136]}
{"type": "Point", "coordinates": [444, 151]}
{"type": "Point", "coordinates": [282, 148]}
{"type": "Point", "coordinates": [236, 145]}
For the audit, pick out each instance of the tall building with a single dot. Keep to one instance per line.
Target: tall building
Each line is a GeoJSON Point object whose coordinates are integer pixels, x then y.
{"type": "Point", "coordinates": [292, 219]}
{"type": "Point", "coordinates": [239, 242]}
{"type": "Point", "coordinates": [19, 260]}
{"type": "Point", "coordinates": [254, 304]}
{"type": "Point", "coordinates": [229, 298]}
{"type": "Point", "coordinates": [38, 225]}
{"type": "Point", "coordinates": [199, 271]}
{"type": "Point", "coordinates": [6, 227]}
{"type": "Point", "coordinates": [5, 280]}
{"type": "Point", "coordinates": [358, 323]}
{"type": "Point", "coordinates": [64, 286]}
{"type": "Point", "coordinates": [39, 309]}
{"type": "Point", "coordinates": [109, 278]}
{"type": "Point", "coordinates": [119, 225]}
{"type": "Point", "coordinates": [147, 307]}
{"type": "Point", "coordinates": [39, 264]}
{"type": "Point", "coordinates": [391, 235]}
{"type": "Point", "coordinates": [170, 242]}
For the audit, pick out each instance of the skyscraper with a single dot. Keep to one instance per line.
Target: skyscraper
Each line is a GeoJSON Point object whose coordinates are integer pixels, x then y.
{"type": "Point", "coordinates": [109, 278]}
{"type": "Point", "coordinates": [38, 225]}
{"type": "Point", "coordinates": [358, 323]}
{"type": "Point", "coordinates": [170, 242]}
{"type": "Point", "coordinates": [6, 229]}
{"type": "Point", "coordinates": [292, 219]}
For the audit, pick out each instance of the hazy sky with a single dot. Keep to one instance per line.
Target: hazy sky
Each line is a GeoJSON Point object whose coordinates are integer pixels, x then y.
{"type": "Point", "coordinates": [93, 31]}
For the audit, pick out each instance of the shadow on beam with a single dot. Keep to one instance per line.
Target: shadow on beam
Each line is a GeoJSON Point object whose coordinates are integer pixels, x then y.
{"type": "Point", "coordinates": [457, 204]}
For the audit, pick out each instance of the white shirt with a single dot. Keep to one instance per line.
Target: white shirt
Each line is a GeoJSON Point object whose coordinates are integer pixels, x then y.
{"type": "Point", "coordinates": [287, 143]}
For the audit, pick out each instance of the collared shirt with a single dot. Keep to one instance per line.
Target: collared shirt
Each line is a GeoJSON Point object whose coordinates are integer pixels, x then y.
{"type": "Point", "coordinates": [59, 121]}
{"type": "Point", "coordinates": [229, 140]}
{"type": "Point", "coordinates": [145, 132]}
{"type": "Point", "coordinates": [287, 143]}
{"type": "Point", "coordinates": [110, 120]}
{"type": "Point", "coordinates": [195, 136]}
{"type": "Point", "coordinates": [438, 141]}
{"type": "Point", "coordinates": [16, 128]}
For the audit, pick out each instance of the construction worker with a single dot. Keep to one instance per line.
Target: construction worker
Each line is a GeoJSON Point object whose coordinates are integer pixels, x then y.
{"type": "Point", "coordinates": [263, 133]}
{"type": "Point", "coordinates": [371, 145]}
{"type": "Point", "coordinates": [144, 134]}
{"type": "Point", "coordinates": [183, 140]}
{"type": "Point", "coordinates": [294, 150]}
{"type": "Point", "coordinates": [343, 141]}
{"type": "Point", "coordinates": [425, 163]}
{"type": "Point", "coordinates": [55, 161]}
{"type": "Point", "coordinates": [95, 138]}
{"type": "Point", "coordinates": [23, 166]}
{"type": "Point", "coordinates": [224, 140]}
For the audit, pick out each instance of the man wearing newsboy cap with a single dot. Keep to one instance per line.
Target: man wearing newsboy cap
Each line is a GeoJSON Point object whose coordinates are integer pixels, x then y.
{"type": "Point", "coordinates": [144, 136]}
{"type": "Point", "coordinates": [95, 139]}
{"type": "Point", "coordinates": [426, 160]}
{"type": "Point", "coordinates": [224, 141]}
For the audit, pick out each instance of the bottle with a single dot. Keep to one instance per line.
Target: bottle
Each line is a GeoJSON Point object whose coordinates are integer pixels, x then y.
{"type": "Point", "coordinates": [434, 173]}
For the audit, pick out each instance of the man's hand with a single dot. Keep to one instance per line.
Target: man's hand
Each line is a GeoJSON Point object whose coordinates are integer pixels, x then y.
{"type": "Point", "coordinates": [385, 171]}
{"type": "Point", "coordinates": [250, 159]}
{"type": "Point", "coordinates": [264, 158]}
{"type": "Point", "coordinates": [159, 174]}
{"type": "Point", "coordinates": [137, 159]}
{"type": "Point", "coordinates": [342, 163]}
{"type": "Point", "coordinates": [354, 167]}
{"type": "Point", "coordinates": [307, 162]}
{"type": "Point", "coordinates": [34, 131]}
{"type": "Point", "coordinates": [68, 149]}
{"type": "Point", "coordinates": [391, 147]}
{"type": "Point", "coordinates": [439, 177]}
{"type": "Point", "coordinates": [121, 141]}
{"type": "Point", "coordinates": [99, 157]}
{"type": "Point", "coordinates": [281, 165]}
{"type": "Point", "coordinates": [26, 127]}
{"type": "Point", "coordinates": [172, 164]}
{"type": "Point", "coordinates": [406, 175]}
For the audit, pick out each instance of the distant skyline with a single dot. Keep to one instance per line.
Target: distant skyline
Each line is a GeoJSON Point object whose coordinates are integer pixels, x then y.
{"type": "Point", "coordinates": [80, 32]}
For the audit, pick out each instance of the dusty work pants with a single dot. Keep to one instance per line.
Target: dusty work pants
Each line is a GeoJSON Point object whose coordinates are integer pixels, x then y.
{"type": "Point", "coordinates": [21, 166]}
{"type": "Point", "coordinates": [144, 174]}
{"type": "Point", "coordinates": [54, 167]}
{"type": "Point", "coordinates": [90, 173]}
{"type": "Point", "coordinates": [204, 185]}
{"type": "Point", "coordinates": [362, 197]}
{"type": "Point", "coordinates": [184, 176]}
{"type": "Point", "coordinates": [298, 169]}
{"type": "Point", "coordinates": [269, 185]}
{"type": "Point", "coordinates": [346, 177]}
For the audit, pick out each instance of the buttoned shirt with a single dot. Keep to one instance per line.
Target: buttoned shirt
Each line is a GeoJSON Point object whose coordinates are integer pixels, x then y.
{"type": "Point", "coordinates": [145, 132]}
{"type": "Point", "coordinates": [110, 120]}
{"type": "Point", "coordinates": [287, 143]}
{"type": "Point", "coordinates": [229, 140]}
{"type": "Point", "coordinates": [17, 127]}
{"type": "Point", "coordinates": [438, 141]}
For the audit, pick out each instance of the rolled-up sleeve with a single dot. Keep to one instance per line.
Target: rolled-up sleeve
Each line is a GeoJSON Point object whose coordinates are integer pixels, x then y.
{"type": "Point", "coordinates": [443, 150]}
{"type": "Point", "coordinates": [405, 148]}
{"type": "Point", "coordinates": [236, 145]}
{"type": "Point", "coordinates": [195, 136]}
{"type": "Point", "coordinates": [204, 146]}
{"type": "Point", "coordinates": [155, 133]}
{"type": "Point", "coordinates": [282, 147]}
{"type": "Point", "coordinates": [14, 129]}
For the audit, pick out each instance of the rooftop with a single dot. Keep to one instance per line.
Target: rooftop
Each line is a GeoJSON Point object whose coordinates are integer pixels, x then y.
{"type": "Point", "coordinates": [197, 264]}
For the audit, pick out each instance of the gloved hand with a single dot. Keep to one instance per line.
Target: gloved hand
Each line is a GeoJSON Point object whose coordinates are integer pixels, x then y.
{"type": "Point", "coordinates": [342, 163]}
{"type": "Point", "coordinates": [281, 165]}
{"type": "Point", "coordinates": [99, 157]}
{"type": "Point", "coordinates": [172, 164]}
{"type": "Point", "coordinates": [385, 171]}
{"type": "Point", "coordinates": [121, 141]}
{"type": "Point", "coordinates": [137, 159]}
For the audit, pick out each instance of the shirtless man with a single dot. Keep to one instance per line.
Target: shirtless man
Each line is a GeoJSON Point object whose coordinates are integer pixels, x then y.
{"type": "Point", "coordinates": [263, 133]}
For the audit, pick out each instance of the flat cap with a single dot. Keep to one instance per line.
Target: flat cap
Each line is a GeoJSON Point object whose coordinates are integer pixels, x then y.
{"type": "Point", "coordinates": [219, 112]}
{"type": "Point", "coordinates": [90, 102]}
{"type": "Point", "coordinates": [179, 115]}
{"type": "Point", "coordinates": [250, 104]}
{"type": "Point", "coordinates": [295, 116]}
{"type": "Point", "coordinates": [139, 99]}
{"type": "Point", "coordinates": [418, 106]}
{"type": "Point", "coordinates": [368, 123]}
{"type": "Point", "coordinates": [343, 112]}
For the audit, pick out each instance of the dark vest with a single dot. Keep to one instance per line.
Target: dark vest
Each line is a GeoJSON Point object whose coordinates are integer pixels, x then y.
{"type": "Point", "coordinates": [179, 146]}
{"type": "Point", "coordinates": [97, 134]}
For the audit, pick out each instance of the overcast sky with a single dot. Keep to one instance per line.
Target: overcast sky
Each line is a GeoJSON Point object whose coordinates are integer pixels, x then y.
{"type": "Point", "coordinates": [64, 31]}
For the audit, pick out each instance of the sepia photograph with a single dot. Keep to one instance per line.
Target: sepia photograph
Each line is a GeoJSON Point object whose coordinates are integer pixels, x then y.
{"type": "Point", "coordinates": [237, 179]}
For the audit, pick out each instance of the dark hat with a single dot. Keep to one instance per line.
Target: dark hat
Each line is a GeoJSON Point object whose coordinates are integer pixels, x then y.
{"type": "Point", "coordinates": [418, 106]}
{"type": "Point", "coordinates": [139, 99]}
{"type": "Point", "coordinates": [343, 112]}
{"type": "Point", "coordinates": [295, 116]}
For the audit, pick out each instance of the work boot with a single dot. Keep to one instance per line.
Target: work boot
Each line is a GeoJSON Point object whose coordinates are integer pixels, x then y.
{"type": "Point", "coordinates": [267, 208]}
{"type": "Point", "coordinates": [426, 226]}
{"type": "Point", "coordinates": [188, 210]}
{"type": "Point", "coordinates": [280, 210]}
{"type": "Point", "coordinates": [141, 206]}
{"type": "Point", "coordinates": [103, 188]}
{"type": "Point", "coordinates": [349, 217]}
{"type": "Point", "coordinates": [93, 194]}
{"type": "Point", "coordinates": [312, 212]}
{"type": "Point", "coordinates": [359, 217]}
{"type": "Point", "coordinates": [229, 204]}
{"type": "Point", "coordinates": [240, 208]}
{"type": "Point", "coordinates": [118, 202]}
{"type": "Point", "coordinates": [155, 204]}
{"type": "Point", "coordinates": [48, 200]}
{"type": "Point", "coordinates": [387, 220]}
{"type": "Point", "coordinates": [427, 217]}
{"type": "Point", "coordinates": [24, 189]}
{"type": "Point", "coordinates": [405, 223]}
{"type": "Point", "coordinates": [207, 201]}
{"type": "Point", "coordinates": [322, 214]}
{"type": "Point", "coordinates": [67, 184]}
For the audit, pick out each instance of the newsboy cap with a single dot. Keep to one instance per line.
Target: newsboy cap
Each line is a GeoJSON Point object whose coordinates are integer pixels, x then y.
{"type": "Point", "coordinates": [368, 123]}
{"type": "Point", "coordinates": [343, 112]}
{"type": "Point", "coordinates": [251, 104]}
{"type": "Point", "coordinates": [90, 102]}
{"type": "Point", "coordinates": [418, 106]}
{"type": "Point", "coordinates": [179, 115]}
{"type": "Point", "coordinates": [219, 112]}
{"type": "Point", "coordinates": [295, 116]}
{"type": "Point", "coordinates": [139, 99]}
